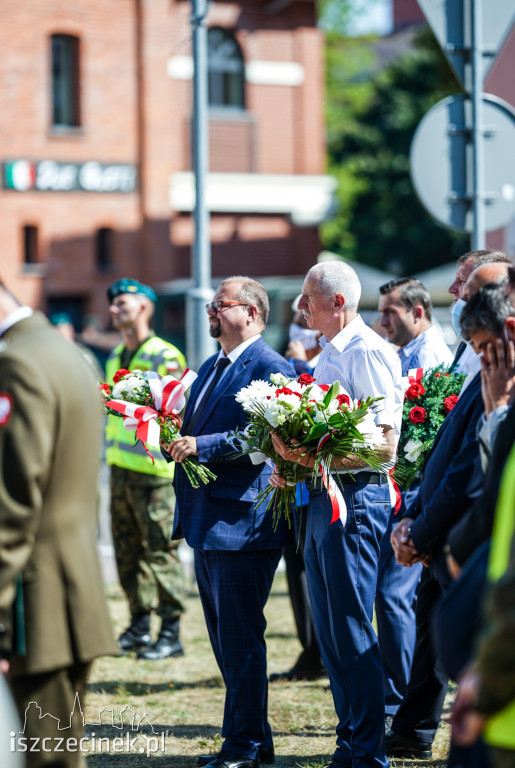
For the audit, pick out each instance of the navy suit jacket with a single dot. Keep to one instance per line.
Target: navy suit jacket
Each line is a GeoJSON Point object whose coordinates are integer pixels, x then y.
{"type": "Point", "coordinates": [452, 479]}
{"type": "Point", "coordinates": [223, 514]}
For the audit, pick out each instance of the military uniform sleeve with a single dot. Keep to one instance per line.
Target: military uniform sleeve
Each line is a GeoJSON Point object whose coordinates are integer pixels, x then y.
{"type": "Point", "coordinates": [25, 450]}
{"type": "Point", "coordinates": [169, 361]}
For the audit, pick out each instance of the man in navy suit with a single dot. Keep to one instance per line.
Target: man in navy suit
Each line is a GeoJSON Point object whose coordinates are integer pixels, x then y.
{"type": "Point", "coordinates": [235, 545]}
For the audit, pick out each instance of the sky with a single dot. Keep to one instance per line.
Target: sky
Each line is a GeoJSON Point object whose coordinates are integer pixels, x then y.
{"type": "Point", "coordinates": [372, 16]}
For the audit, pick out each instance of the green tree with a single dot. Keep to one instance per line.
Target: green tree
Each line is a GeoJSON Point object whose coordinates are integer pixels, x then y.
{"type": "Point", "coordinates": [372, 113]}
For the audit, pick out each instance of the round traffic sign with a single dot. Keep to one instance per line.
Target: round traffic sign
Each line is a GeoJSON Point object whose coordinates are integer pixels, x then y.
{"type": "Point", "coordinates": [441, 162]}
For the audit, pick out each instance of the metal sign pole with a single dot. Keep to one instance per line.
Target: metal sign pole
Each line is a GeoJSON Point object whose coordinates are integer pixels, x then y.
{"type": "Point", "coordinates": [199, 345]}
{"type": "Point", "coordinates": [478, 155]}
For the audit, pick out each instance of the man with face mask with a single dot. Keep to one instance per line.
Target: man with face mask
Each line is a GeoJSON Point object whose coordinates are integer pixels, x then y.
{"type": "Point", "coordinates": [465, 360]}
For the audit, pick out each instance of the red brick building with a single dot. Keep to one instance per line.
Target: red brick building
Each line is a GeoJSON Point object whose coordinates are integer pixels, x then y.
{"type": "Point", "coordinates": [95, 127]}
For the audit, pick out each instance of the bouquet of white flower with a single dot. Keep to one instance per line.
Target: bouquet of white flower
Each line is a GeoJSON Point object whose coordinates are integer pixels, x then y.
{"type": "Point", "coordinates": [324, 420]}
{"type": "Point", "coordinates": [150, 405]}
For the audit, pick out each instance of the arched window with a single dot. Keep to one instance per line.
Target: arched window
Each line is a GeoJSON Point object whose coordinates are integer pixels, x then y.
{"type": "Point", "coordinates": [226, 70]}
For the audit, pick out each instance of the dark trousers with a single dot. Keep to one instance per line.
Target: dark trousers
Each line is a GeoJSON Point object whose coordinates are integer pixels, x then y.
{"type": "Point", "coordinates": [53, 693]}
{"type": "Point", "coordinates": [419, 713]}
{"type": "Point", "coordinates": [395, 614]}
{"type": "Point", "coordinates": [341, 567]}
{"type": "Point", "coordinates": [234, 587]}
{"type": "Point", "coordinates": [299, 594]}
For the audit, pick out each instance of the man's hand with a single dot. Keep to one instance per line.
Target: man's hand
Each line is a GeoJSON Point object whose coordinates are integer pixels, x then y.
{"type": "Point", "coordinates": [466, 723]}
{"type": "Point", "coordinates": [296, 350]}
{"type": "Point", "coordinates": [453, 566]}
{"type": "Point", "coordinates": [181, 448]}
{"type": "Point", "coordinates": [498, 375]}
{"type": "Point", "coordinates": [276, 479]}
{"type": "Point", "coordinates": [296, 455]}
{"type": "Point", "coordinates": [402, 544]}
{"type": "Point", "coordinates": [4, 666]}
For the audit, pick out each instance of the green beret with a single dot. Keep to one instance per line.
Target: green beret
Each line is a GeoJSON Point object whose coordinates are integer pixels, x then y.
{"type": "Point", "coordinates": [59, 318]}
{"type": "Point", "coordinates": [126, 285]}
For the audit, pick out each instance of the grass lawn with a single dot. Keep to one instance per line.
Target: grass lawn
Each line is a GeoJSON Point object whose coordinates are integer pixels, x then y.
{"type": "Point", "coordinates": [183, 699]}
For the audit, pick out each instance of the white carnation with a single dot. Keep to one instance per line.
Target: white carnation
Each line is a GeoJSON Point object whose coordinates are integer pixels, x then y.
{"type": "Point", "coordinates": [413, 449]}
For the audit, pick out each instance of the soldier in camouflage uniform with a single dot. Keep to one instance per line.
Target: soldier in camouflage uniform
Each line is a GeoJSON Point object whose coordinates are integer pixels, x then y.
{"type": "Point", "coordinates": [142, 496]}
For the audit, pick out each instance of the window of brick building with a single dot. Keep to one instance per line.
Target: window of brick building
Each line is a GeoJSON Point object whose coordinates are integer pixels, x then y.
{"type": "Point", "coordinates": [226, 70]}
{"type": "Point", "coordinates": [30, 245]}
{"type": "Point", "coordinates": [65, 81]}
{"type": "Point", "coordinates": [104, 249]}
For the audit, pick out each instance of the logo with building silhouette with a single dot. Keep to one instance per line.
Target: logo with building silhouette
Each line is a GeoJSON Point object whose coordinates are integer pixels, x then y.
{"type": "Point", "coordinates": [127, 720]}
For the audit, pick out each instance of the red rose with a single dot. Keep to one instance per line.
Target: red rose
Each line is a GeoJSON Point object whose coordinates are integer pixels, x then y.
{"type": "Point", "coordinates": [343, 400]}
{"type": "Point", "coordinates": [120, 374]}
{"type": "Point", "coordinates": [417, 415]}
{"type": "Point", "coordinates": [437, 375]}
{"type": "Point", "coordinates": [450, 402]}
{"type": "Point", "coordinates": [305, 379]}
{"type": "Point", "coordinates": [415, 390]}
{"type": "Point", "coordinates": [105, 388]}
{"type": "Point", "coordinates": [325, 387]}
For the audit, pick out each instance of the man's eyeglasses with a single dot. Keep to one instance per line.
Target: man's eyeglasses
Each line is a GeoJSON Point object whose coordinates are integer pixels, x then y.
{"type": "Point", "coordinates": [217, 306]}
{"type": "Point", "coordinates": [511, 276]}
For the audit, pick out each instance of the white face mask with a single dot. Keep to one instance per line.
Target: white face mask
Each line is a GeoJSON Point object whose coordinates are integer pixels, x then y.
{"type": "Point", "coordinates": [455, 317]}
{"type": "Point", "coordinates": [306, 336]}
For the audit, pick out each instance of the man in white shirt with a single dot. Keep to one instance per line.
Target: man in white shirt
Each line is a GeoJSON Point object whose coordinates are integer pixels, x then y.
{"type": "Point", "coordinates": [341, 560]}
{"type": "Point", "coordinates": [405, 306]}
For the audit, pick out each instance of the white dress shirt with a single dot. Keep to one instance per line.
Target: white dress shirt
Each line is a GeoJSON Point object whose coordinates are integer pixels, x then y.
{"type": "Point", "coordinates": [232, 356]}
{"type": "Point", "coordinates": [366, 366]}
{"type": "Point", "coordinates": [427, 350]}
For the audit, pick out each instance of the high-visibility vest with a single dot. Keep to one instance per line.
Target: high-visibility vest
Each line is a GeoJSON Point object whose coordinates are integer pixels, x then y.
{"type": "Point", "coordinates": [500, 728]}
{"type": "Point", "coordinates": [122, 450]}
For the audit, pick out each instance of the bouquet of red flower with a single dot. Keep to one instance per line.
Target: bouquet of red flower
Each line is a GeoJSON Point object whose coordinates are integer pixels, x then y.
{"type": "Point", "coordinates": [429, 397]}
{"type": "Point", "coordinates": [323, 418]}
{"type": "Point", "coordinates": [150, 405]}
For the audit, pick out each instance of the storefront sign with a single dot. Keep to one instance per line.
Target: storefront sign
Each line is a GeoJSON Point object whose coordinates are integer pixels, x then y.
{"type": "Point", "coordinates": [53, 176]}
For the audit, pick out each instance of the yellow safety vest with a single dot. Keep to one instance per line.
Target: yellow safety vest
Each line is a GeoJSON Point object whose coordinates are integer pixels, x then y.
{"type": "Point", "coordinates": [500, 728]}
{"type": "Point", "coordinates": [122, 450]}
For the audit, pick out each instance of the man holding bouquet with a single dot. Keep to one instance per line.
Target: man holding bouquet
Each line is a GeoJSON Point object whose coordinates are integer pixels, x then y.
{"type": "Point", "coordinates": [236, 547]}
{"type": "Point", "coordinates": [142, 498]}
{"type": "Point", "coordinates": [341, 559]}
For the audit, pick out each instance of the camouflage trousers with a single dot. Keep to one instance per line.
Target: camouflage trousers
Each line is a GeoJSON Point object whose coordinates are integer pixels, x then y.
{"type": "Point", "coordinates": [148, 561]}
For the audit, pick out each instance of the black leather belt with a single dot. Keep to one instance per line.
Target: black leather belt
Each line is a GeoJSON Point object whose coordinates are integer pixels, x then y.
{"type": "Point", "coordinates": [363, 478]}
{"type": "Point", "coordinates": [370, 478]}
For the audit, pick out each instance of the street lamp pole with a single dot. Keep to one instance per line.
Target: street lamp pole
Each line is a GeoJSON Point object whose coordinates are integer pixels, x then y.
{"type": "Point", "coordinates": [199, 345]}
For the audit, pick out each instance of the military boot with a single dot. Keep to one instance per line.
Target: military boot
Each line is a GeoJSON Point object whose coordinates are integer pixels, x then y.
{"type": "Point", "coordinates": [167, 644]}
{"type": "Point", "coordinates": [137, 634]}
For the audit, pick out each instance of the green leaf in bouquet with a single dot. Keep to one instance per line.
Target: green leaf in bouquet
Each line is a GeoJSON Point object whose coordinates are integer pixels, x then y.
{"type": "Point", "coordinates": [316, 432]}
{"type": "Point", "coordinates": [331, 393]}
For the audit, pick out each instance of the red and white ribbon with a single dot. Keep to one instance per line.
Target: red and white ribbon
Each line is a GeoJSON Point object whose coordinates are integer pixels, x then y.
{"type": "Point", "coordinates": [414, 376]}
{"type": "Point", "coordinates": [168, 396]}
{"type": "Point", "coordinates": [338, 505]}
